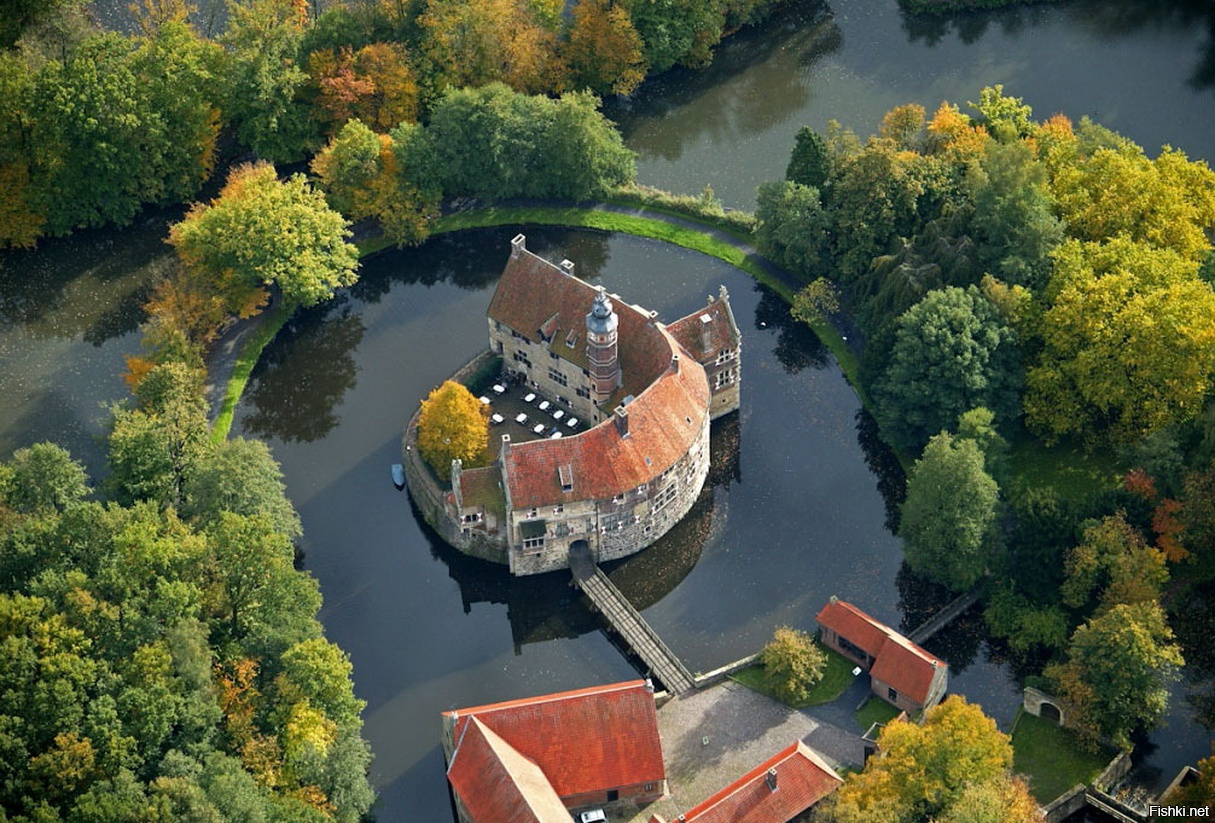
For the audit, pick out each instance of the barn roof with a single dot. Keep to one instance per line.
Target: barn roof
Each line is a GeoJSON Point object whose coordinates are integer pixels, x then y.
{"type": "Point", "coordinates": [583, 741]}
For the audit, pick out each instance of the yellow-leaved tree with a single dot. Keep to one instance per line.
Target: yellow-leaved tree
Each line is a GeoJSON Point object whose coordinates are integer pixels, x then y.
{"type": "Point", "coordinates": [453, 424]}
{"type": "Point", "coordinates": [924, 770]}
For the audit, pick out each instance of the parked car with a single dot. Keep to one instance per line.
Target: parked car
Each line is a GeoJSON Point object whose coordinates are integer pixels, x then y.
{"type": "Point", "coordinates": [593, 816]}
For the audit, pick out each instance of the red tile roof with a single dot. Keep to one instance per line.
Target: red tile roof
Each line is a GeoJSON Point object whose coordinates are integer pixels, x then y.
{"type": "Point", "coordinates": [539, 300]}
{"type": "Point", "coordinates": [664, 421]}
{"type": "Point", "coordinates": [584, 741]}
{"type": "Point", "coordinates": [899, 663]}
{"type": "Point", "coordinates": [497, 784]}
{"type": "Point", "coordinates": [906, 668]}
{"type": "Point", "coordinates": [802, 779]}
{"type": "Point", "coordinates": [690, 330]}
{"type": "Point", "coordinates": [848, 621]}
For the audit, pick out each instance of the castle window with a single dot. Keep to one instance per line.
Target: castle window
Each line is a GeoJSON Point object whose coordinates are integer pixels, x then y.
{"type": "Point", "coordinates": [725, 355]}
{"type": "Point", "coordinates": [552, 354]}
{"type": "Point", "coordinates": [532, 513]}
{"type": "Point", "coordinates": [520, 357]}
{"type": "Point", "coordinates": [665, 497]}
{"type": "Point", "coordinates": [533, 543]}
{"type": "Point", "coordinates": [559, 508]}
{"type": "Point", "coordinates": [557, 377]}
{"type": "Point", "coordinates": [892, 694]}
{"type": "Point", "coordinates": [723, 378]}
{"type": "Point", "coordinates": [583, 391]}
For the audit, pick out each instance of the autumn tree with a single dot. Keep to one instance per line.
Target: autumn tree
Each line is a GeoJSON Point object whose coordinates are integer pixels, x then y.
{"type": "Point", "coordinates": [453, 425]}
{"type": "Point", "coordinates": [262, 232]}
{"type": "Point", "coordinates": [947, 518]}
{"type": "Point", "coordinates": [815, 302]}
{"type": "Point", "coordinates": [1166, 203]}
{"type": "Point", "coordinates": [952, 352]}
{"type": "Point", "coordinates": [1119, 668]}
{"type": "Point", "coordinates": [792, 664]}
{"type": "Point", "coordinates": [1003, 799]}
{"type": "Point", "coordinates": [1113, 560]}
{"type": "Point", "coordinates": [474, 42]}
{"type": "Point", "coordinates": [604, 50]}
{"type": "Point", "coordinates": [360, 174]}
{"type": "Point", "coordinates": [924, 770]}
{"type": "Point", "coordinates": [1128, 343]}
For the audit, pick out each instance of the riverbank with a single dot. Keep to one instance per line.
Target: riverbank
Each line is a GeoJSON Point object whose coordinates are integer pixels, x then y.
{"type": "Point", "coordinates": [233, 358]}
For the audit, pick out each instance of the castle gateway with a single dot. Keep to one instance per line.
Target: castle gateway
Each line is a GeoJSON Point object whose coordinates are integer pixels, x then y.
{"type": "Point", "coordinates": [643, 393]}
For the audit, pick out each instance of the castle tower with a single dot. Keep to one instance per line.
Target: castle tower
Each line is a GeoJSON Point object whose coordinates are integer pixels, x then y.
{"type": "Point", "coordinates": [601, 324]}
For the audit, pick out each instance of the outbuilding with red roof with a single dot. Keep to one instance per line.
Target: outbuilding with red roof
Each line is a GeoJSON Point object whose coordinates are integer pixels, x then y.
{"type": "Point", "coordinates": [901, 673]}
{"type": "Point", "coordinates": [522, 760]}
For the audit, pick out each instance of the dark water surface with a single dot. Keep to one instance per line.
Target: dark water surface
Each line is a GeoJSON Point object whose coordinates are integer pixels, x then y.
{"type": "Point", "coordinates": [793, 514]}
{"type": "Point", "coordinates": [1145, 68]}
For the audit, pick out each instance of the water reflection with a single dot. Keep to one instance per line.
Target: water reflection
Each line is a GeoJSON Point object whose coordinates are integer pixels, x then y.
{"type": "Point", "coordinates": [797, 346]}
{"type": "Point", "coordinates": [885, 465]}
{"type": "Point", "coordinates": [460, 258]}
{"type": "Point", "coordinates": [546, 607]}
{"type": "Point", "coordinates": [971, 26]}
{"type": "Point", "coordinates": [1194, 624]}
{"type": "Point", "coordinates": [1129, 17]}
{"type": "Point", "coordinates": [304, 374]}
{"type": "Point", "coordinates": [757, 79]}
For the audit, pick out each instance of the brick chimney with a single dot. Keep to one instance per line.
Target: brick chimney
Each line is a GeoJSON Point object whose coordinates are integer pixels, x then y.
{"type": "Point", "coordinates": [621, 419]}
{"type": "Point", "coordinates": [519, 244]}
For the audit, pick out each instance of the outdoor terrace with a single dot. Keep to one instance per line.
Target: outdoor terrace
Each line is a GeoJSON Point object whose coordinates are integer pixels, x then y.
{"type": "Point", "coordinates": [517, 399]}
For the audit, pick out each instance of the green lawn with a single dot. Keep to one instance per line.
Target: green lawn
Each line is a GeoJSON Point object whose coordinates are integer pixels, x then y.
{"type": "Point", "coordinates": [874, 711]}
{"type": "Point", "coordinates": [1051, 758]}
{"type": "Point", "coordinates": [275, 319]}
{"type": "Point", "coordinates": [837, 677]}
{"type": "Point", "coordinates": [1069, 469]}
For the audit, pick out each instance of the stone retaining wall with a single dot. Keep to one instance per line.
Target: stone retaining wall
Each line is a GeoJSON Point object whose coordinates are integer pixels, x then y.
{"type": "Point", "coordinates": [431, 498]}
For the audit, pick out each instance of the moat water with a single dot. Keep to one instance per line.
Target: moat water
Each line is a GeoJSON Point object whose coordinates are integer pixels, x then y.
{"type": "Point", "coordinates": [794, 512]}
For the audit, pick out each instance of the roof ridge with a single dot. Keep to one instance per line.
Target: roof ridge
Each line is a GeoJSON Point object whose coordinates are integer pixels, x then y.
{"type": "Point", "coordinates": [549, 698]}
{"type": "Point", "coordinates": [778, 759]}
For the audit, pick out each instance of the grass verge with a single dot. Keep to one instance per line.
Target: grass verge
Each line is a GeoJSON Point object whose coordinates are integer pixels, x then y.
{"type": "Point", "coordinates": [1071, 471]}
{"type": "Point", "coordinates": [275, 319]}
{"type": "Point", "coordinates": [1051, 758]}
{"type": "Point", "coordinates": [689, 238]}
{"type": "Point", "coordinates": [874, 711]}
{"type": "Point", "coordinates": [837, 677]}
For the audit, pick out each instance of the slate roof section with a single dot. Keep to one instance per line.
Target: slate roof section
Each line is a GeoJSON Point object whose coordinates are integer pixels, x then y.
{"type": "Point", "coordinates": [497, 784]}
{"type": "Point", "coordinates": [583, 741]}
{"type": "Point", "coordinates": [899, 663]}
{"type": "Point", "coordinates": [664, 422]}
{"type": "Point", "coordinates": [802, 779]}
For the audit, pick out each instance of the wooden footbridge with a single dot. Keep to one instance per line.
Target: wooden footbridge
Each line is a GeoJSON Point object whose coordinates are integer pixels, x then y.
{"type": "Point", "coordinates": [952, 611]}
{"type": "Point", "coordinates": [629, 624]}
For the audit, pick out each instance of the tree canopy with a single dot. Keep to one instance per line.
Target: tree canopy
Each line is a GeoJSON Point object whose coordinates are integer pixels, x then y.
{"type": "Point", "coordinates": [949, 513]}
{"type": "Point", "coordinates": [925, 770]}
{"type": "Point", "coordinates": [1119, 668]}
{"type": "Point", "coordinates": [264, 232]}
{"type": "Point", "coordinates": [952, 352]}
{"type": "Point", "coordinates": [453, 425]}
{"type": "Point", "coordinates": [792, 664]}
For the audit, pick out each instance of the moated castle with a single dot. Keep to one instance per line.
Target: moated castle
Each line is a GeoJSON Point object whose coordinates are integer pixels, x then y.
{"type": "Point", "coordinates": [644, 394]}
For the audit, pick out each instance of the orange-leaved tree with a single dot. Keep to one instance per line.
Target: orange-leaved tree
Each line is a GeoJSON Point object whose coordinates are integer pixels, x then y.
{"type": "Point", "coordinates": [453, 424]}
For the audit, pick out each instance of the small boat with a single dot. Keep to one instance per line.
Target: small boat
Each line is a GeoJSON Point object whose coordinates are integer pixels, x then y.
{"type": "Point", "coordinates": [398, 476]}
